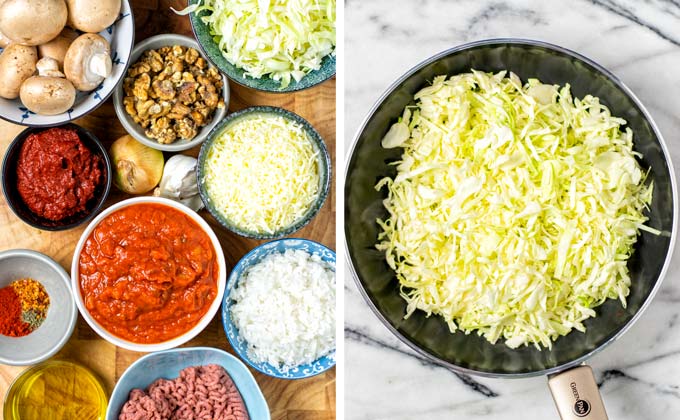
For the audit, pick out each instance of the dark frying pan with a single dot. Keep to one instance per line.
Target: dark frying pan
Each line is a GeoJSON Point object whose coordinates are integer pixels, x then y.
{"type": "Point", "coordinates": [572, 384]}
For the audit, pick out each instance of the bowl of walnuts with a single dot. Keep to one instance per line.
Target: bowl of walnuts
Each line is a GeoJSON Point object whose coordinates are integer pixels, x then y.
{"type": "Point", "coordinates": [171, 97]}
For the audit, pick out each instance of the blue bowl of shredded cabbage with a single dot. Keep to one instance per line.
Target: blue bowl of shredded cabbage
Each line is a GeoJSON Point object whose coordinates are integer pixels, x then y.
{"type": "Point", "coordinates": [265, 45]}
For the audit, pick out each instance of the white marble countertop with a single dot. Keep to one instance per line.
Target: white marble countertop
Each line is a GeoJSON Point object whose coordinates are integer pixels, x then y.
{"type": "Point", "coordinates": [637, 40]}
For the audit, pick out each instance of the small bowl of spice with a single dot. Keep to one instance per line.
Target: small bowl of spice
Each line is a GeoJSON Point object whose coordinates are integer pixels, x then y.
{"type": "Point", "coordinates": [171, 97]}
{"type": "Point", "coordinates": [56, 178]}
{"type": "Point", "coordinates": [38, 310]}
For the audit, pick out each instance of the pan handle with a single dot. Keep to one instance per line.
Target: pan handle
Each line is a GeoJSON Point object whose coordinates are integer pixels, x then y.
{"type": "Point", "coordinates": [576, 394]}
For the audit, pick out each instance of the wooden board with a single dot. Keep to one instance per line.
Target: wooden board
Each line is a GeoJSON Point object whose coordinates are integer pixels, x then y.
{"type": "Point", "coordinates": [312, 398]}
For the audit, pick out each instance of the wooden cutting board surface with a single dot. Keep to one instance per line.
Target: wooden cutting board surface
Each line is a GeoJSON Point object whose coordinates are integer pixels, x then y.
{"type": "Point", "coordinates": [305, 399]}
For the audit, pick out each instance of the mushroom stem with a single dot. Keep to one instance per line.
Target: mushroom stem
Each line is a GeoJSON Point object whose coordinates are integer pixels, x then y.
{"type": "Point", "coordinates": [48, 66]}
{"type": "Point", "coordinates": [100, 64]}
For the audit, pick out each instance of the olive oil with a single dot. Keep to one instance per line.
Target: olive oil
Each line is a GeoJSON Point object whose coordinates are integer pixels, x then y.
{"type": "Point", "coordinates": [56, 390]}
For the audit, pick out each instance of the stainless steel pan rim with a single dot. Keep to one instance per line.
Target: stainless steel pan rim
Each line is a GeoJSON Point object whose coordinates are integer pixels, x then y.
{"type": "Point", "coordinates": [669, 254]}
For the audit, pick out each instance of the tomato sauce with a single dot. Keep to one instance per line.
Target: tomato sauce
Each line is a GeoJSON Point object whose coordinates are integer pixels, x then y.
{"type": "Point", "coordinates": [148, 273]}
{"type": "Point", "coordinates": [57, 174]}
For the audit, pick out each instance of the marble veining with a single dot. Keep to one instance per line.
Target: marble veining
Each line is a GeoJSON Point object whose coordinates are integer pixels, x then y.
{"type": "Point", "coordinates": [639, 41]}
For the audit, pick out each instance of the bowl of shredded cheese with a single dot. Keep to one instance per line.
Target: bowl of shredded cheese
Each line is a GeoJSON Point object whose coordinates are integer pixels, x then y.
{"type": "Point", "coordinates": [264, 172]}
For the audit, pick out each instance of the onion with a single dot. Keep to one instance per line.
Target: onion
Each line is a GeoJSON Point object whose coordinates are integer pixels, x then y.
{"type": "Point", "coordinates": [138, 168]}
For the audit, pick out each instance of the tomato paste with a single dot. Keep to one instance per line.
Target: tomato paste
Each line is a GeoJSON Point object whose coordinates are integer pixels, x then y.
{"type": "Point", "coordinates": [57, 175]}
{"type": "Point", "coordinates": [148, 273]}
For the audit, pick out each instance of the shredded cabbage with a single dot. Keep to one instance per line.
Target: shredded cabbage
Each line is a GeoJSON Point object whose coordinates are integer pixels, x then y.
{"type": "Point", "coordinates": [514, 208]}
{"type": "Point", "coordinates": [281, 38]}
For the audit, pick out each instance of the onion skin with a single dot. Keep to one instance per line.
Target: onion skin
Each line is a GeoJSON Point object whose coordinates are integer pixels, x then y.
{"type": "Point", "coordinates": [137, 168]}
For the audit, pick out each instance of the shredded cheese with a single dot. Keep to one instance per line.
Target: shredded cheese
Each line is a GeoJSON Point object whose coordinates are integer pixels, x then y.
{"type": "Point", "coordinates": [262, 173]}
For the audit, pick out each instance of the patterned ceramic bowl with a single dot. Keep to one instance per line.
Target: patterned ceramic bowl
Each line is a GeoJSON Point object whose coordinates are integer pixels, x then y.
{"type": "Point", "coordinates": [213, 52]}
{"type": "Point", "coordinates": [324, 165]}
{"type": "Point", "coordinates": [240, 346]}
{"type": "Point", "coordinates": [121, 36]}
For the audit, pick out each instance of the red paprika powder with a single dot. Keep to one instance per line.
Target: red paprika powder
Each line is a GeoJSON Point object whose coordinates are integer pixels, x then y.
{"type": "Point", "coordinates": [11, 323]}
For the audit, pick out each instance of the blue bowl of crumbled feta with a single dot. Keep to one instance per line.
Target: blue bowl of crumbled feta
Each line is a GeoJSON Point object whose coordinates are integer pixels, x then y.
{"type": "Point", "coordinates": [279, 308]}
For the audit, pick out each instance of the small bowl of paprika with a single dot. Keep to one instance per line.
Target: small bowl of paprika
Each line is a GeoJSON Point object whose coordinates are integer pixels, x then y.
{"type": "Point", "coordinates": [38, 309]}
{"type": "Point", "coordinates": [56, 178]}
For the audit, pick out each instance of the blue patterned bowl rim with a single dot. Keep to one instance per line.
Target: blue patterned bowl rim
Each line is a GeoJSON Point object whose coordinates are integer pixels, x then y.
{"type": "Point", "coordinates": [264, 84]}
{"type": "Point", "coordinates": [239, 345]}
{"type": "Point", "coordinates": [121, 36]}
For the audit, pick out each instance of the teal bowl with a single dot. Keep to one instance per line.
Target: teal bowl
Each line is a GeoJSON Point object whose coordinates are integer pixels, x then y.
{"type": "Point", "coordinates": [324, 163]}
{"type": "Point", "coordinates": [167, 364]}
{"type": "Point", "coordinates": [214, 54]}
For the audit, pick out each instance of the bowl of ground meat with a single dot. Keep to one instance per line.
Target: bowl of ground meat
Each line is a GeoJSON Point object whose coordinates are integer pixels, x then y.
{"type": "Point", "coordinates": [187, 383]}
{"type": "Point", "coordinates": [56, 178]}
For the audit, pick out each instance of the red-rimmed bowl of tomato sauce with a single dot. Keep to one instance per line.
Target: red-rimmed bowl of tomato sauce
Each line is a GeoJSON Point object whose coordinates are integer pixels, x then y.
{"type": "Point", "coordinates": [148, 274]}
{"type": "Point", "coordinates": [56, 178]}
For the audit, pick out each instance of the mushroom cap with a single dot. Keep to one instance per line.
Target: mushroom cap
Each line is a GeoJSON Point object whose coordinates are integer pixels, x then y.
{"type": "Point", "coordinates": [92, 15]}
{"type": "Point", "coordinates": [17, 63]}
{"type": "Point", "coordinates": [57, 47]}
{"type": "Point", "coordinates": [4, 41]}
{"type": "Point", "coordinates": [88, 61]}
{"type": "Point", "coordinates": [48, 95]}
{"type": "Point", "coordinates": [32, 22]}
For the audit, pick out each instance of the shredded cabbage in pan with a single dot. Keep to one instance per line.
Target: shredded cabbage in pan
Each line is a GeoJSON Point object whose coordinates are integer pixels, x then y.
{"type": "Point", "coordinates": [514, 208]}
{"type": "Point", "coordinates": [281, 38]}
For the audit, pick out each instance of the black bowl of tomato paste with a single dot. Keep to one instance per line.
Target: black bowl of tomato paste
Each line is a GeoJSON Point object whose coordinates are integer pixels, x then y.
{"type": "Point", "coordinates": [56, 178]}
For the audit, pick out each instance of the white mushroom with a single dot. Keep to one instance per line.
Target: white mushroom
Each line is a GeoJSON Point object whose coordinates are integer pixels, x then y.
{"type": "Point", "coordinates": [32, 22]}
{"type": "Point", "coordinates": [88, 61]}
{"type": "Point", "coordinates": [92, 15]}
{"type": "Point", "coordinates": [57, 47]}
{"type": "Point", "coordinates": [17, 63]}
{"type": "Point", "coordinates": [4, 41]}
{"type": "Point", "coordinates": [49, 93]}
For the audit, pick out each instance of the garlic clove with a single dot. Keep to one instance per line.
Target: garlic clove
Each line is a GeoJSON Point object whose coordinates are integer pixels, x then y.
{"type": "Point", "coordinates": [194, 202]}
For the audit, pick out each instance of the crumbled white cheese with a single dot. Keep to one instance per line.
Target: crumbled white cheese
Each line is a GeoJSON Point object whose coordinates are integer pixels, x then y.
{"type": "Point", "coordinates": [285, 309]}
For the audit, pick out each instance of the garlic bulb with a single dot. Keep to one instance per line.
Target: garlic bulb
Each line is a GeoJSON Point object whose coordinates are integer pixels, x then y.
{"type": "Point", "coordinates": [179, 182]}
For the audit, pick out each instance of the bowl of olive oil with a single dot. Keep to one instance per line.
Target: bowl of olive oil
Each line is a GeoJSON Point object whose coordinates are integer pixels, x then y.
{"type": "Point", "coordinates": [56, 389]}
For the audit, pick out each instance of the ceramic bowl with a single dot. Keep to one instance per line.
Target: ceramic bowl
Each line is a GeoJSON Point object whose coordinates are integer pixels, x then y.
{"type": "Point", "coordinates": [369, 162]}
{"type": "Point", "coordinates": [168, 364]}
{"type": "Point", "coordinates": [165, 345]}
{"type": "Point", "coordinates": [323, 162]}
{"type": "Point", "coordinates": [239, 345]}
{"type": "Point", "coordinates": [134, 129]}
{"type": "Point", "coordinates": [121, 36]}
{"type": "Point", "coordinates": [214, 54]}
{"type": "Point", "coordinates": [9, 182]}
{"type": "Point", "coordinates": [62, 314]}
